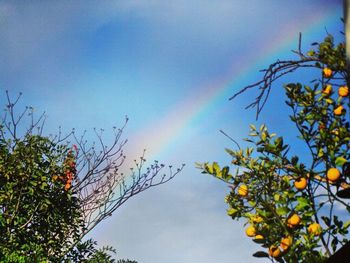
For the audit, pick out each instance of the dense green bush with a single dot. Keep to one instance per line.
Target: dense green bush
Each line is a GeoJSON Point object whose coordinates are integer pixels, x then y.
{"type": "Point", "coordinates": [40, 218]}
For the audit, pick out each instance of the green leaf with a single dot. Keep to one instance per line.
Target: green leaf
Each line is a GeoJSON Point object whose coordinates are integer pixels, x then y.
{"type": "Point", "coordinates": [209, 168]}
{"type": "Point", "coordinates": [259, 241]}
{"type": "Point", "coordinates": [320, 153]}
{"type": "Point", "coordinates": [326, 220]}
{"type": "Point", "coordinates": [334, 243]}
{"type": "Point", "coordinates": [329, 101]}
{"type": "Point", "coordinates": [302, 203]}
{"type": "Point", "coordinates": [260, 254]}
{"type": "Point", "coordinates": [309, 213]}
{"type": "Point", "coordinates": [347, 224]}
{"type": "Point", "coordinates": [232, 211]}
{"type": "Point", "coordinates": [276, 197]}
{"type": "Point", "coordinates": [252, 127]}
{"type": "Point", "coordinates": [262, 128]}
{"type": "Point", "coordinates": [340, 161]}
{"type": "Point", "coordinates": [337, 222]}
{"type": "Point", "coordinates": [252, 203]}
{"type": "Point", "coordinates": [216, 169]}
{"type": "Point", "coordinates": [282, 210]}
{"type": "Point", "coordinates": [224, 172]}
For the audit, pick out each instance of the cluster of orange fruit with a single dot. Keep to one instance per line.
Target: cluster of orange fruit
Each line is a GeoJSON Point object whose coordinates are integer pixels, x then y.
{"type": "Point", "coordinates": [333, 174]}
{"type": "Point", "coordinates": [300, 183]}
{"type": "Point", "coordinates": [276, 251]}
{"type": "Point", "coordinates": [69, 170]}
{"type": "Point", "coordinates": [287, 241]}
{"type": "Point", "coordinates": [343, 91]}
{"type": "Point", "coordinates": [293, 221]}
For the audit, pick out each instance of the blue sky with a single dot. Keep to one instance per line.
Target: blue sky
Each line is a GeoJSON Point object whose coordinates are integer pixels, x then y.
{"type": "Point", "coordinates": [171, 67]}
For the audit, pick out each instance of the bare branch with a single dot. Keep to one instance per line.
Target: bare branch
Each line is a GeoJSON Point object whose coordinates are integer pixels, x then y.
{"type": "Point", "coordinates": [275, 71]}
{"type": "Point", "coordinates": [97, 181]}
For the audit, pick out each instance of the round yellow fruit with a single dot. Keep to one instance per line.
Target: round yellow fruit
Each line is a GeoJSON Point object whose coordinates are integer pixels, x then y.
{"type": "Point", "coordinates": [259, 237]}
{"type": "Point", "coordinates": [333, 174]}
{"type": "Point", "coordinates": [327, 90]}
{"type": "Point", "coordinates": [343, 91]}
{"type": "Point", "coordinates": [274, 251]}
{"type": "Point", "coordinates": [339, 110]}
{"type": "Point", "coordinates": [243, 190]}
{"type": "Point", "coordinates": [67, 186]}
{"type": "Point", "coordinates": [293, 221]}
{"type": "Point", "coordinates": [286, 242]}
{"type": "Point", "coordinates": [257, 219]}
{"type": "Point", "coordinates": [327, 72]}
{"type": "Point", "coordinates": [250, 231]}
{"type": "Point", "coordinates": [300, 183]}
{"type": "Point", "coordinates": [315, 229]}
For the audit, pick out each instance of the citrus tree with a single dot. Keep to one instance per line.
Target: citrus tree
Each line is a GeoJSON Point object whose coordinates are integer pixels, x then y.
{"type": "Point", "coordinates": [54, 189]}
{"type": "Point", "coordinates": [296, 209]}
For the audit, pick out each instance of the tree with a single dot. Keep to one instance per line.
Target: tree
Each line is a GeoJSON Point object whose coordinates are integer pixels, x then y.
{"type": "Point", "coordinates": [55, 189]}
{"type": "Point", "coordinates": [38, 213]}
{"type": "Point", "coordinates": [296, 209]}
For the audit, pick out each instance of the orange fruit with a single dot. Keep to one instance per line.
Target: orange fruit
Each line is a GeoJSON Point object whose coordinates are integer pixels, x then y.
{"type": "Point", "coordinates": [67, 186]}
{"type": "Point", "coordinates": [257, 219]}
{"type": "Point", "coordinates": [300, 183]}
{"type": "Point", "coordinates": [327, 90]}
{"type": "Point", "coordinates": [250, 231]}
{"type": "Point", "coordinates": [243, 190]}
{"type": "Point", "coordinates": [259, 237]}
{"type": "Point", "coordinates": [333, 174]}
{"type": "Point", "coordinates": [293, 221]}
{"type": "Point", "coordinates": [339, 110]}
{"type": "Point", "coordinates": [343, 91]}
{"type": "Point", "coordinates": [286, 242]}
{"type": "Point", "coordinates": [274, 251]}
{"type": "Point", "coordinates": [327, 72]}
{"type": "Point", "coordinates": [315, 229]}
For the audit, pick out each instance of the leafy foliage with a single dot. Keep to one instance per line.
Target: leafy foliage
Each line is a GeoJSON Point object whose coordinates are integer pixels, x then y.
{"type": "Point", "coordinates": [37, 211]}
{"type": "Point", "coordinates": [288, 204]}
{"type": "Point", "coordinates": [87, 252]}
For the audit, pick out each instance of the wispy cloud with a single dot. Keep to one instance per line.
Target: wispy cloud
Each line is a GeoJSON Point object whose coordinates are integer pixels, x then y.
{"type": "Point", "coordinates": [179, 222]}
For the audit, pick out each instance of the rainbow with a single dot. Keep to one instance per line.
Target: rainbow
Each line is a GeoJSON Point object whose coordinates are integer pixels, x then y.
{"type": "Point", "coordinates": [158, 136]}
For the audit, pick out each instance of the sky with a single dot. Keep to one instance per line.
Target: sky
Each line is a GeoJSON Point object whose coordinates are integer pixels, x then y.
{"type": "Point", "coordinates": [170, 66]}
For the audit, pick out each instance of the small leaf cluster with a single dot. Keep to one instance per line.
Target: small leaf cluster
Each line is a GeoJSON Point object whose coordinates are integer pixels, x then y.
{"type": "Point", "coordinates": [329, 54]}
{"type": "Point", "coordinates": [88, 252]}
